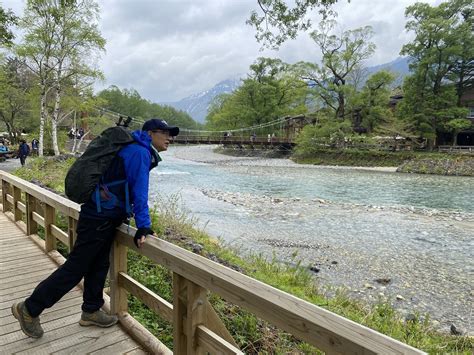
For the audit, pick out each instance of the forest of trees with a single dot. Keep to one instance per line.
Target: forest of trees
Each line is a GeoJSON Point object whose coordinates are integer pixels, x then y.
{"type": "Point", "coordinates": [337, 93]}
{"type": "Point", "coordinates": [47, 76]}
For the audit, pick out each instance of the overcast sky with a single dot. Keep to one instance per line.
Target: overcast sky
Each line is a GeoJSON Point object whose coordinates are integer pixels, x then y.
{"type": "Point", "coordinates": [170, 49]}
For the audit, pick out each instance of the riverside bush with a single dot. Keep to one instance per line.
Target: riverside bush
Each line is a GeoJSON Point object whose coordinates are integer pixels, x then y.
{"type": "Point", "coordinates": [253, 335]}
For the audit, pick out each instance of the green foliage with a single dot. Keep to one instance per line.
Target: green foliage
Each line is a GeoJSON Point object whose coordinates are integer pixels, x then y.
{"type": "Point", "coordinates": [442, 66]}
{"type": "Point", "coordinates": [342, 55]}
{"type": "Point", "coordinates": [375, 96]}
{"type": "Point", "coordinates": [60, 44]}
{"type": "Point", "coordinates": [457, 125]}
{"type": "Point", "coordinates": [325, 133]}
{"type": "Point", "coordinates": [280, 22]}
{"type": "Point", "coordinates": [51, 172]}
{"type": "Point", "coordinates": [15, 88]}
{"type": "Point", "coordinates": [129, 102]}
{"type": "Point", "coordinates": [270, 92]}
{"type": "Point", "coordinates": [7, 19]}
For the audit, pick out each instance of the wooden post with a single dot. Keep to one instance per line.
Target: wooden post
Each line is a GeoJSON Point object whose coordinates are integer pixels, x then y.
{"type": "Point", "coordinates": [179, 314]}
{"type": "Point", "coordinates": [49, 219]}
{"type": "Point", "coordinates": [118, 263]}
{"type": "Point", "coordinates": [189, 311]}
{"type": "Point", "coordinates": [31, 225]}
{"type": "Point", "coordinates": [17, 214]}
{"type": "Point", "coordinates": [72, 232]}
{"type": "Point", "coordinates": [5, 190]}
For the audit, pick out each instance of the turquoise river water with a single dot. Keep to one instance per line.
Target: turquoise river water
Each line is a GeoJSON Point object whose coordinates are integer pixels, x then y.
{"type": "Point", "coordinates": [352, 226]}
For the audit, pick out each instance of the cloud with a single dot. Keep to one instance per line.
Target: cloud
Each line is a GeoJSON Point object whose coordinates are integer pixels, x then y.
{"type": "Point", "coordinates": [169, 49]}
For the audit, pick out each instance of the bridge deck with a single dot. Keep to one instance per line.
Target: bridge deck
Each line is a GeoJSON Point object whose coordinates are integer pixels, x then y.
{"type": "Point", "coordinates": [22, 266]}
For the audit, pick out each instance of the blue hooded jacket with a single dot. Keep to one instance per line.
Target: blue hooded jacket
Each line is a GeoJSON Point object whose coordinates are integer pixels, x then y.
{"type": "Point", "coordinates": [132, 164]}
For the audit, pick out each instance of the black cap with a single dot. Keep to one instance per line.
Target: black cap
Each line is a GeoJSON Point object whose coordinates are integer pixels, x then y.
{"type": "Point", "coordinates": [159, 124]}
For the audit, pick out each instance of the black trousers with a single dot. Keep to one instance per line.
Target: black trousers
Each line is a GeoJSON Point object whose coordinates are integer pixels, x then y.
{"type": "Point", "coordinates": [22, 159]}
{"type": "Point", "coordinates": [89, 259]}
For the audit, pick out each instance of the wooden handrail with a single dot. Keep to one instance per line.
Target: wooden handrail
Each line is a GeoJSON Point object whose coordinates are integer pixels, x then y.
{"type": "Point", "coordinates": [196, 326]}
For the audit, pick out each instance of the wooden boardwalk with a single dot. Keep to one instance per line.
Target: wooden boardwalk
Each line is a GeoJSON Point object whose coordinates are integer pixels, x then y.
{"type": "Point", "coordinates": [22, 266]}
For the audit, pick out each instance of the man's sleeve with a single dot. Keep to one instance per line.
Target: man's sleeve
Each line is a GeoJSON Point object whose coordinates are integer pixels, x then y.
{"type": "Point", "coordinates": [137, 168]}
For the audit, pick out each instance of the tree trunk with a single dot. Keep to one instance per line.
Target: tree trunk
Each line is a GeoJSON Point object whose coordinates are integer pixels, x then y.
{"type": "Point", "coordinates": [341, 108]}
{"type": "Point", "coordinates": [73, 150]}
{"type": "Point", "coordinates": [42, 120]}
{"type": "Point", "coordinates": [55, 120]}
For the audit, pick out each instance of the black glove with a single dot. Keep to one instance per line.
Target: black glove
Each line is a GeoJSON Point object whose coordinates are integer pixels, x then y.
{"type": "Point", "coordinates": [140, 233]}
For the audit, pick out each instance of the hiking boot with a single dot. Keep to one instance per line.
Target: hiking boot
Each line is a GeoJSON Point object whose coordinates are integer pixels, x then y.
{"type": "Point", "coordinates": [29, 325]}
{"type": "Point", "coordinates": [98, 318]}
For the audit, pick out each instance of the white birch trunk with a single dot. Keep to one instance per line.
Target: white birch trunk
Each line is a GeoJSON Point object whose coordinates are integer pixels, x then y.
{"type": "Point", "coordinates": [42, 120]}
{"type": "Point", "coordinates": [55, 120]}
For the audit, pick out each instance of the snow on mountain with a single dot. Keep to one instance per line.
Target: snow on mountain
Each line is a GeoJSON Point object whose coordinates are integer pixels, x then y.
{"type": "Point", "coordinates": [197, 104]}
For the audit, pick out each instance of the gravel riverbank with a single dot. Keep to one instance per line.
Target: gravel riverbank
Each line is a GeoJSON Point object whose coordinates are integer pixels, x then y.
{"type": "Point", "coordinates": [428, 272]}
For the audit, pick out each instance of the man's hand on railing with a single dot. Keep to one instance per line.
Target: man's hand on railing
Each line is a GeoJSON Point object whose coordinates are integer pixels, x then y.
{"type": "Point", "coordinates": [140, 236]}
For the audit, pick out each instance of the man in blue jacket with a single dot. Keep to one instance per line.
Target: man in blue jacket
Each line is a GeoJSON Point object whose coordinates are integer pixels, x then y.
{"type": "Point", "coordinates": [99, 217]}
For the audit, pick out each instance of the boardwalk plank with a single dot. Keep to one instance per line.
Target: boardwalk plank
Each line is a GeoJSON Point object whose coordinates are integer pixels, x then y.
{"type": "Point", "coordinates": [96, 343]}
{"type": "Point", "coordinates": [14, 239]}
{"type": "Point", "coordinates": [22, 266]}
{"type": "Point", "coordinates": [21, 256]}
{"type": "Point", "coordinates": [11, 324]}
{"type": "Point", "coordinates": [12, 332]}
{"type": "Point", "coordinates": [28, 285]}
{"type": "Point", "coordinates": [14, 262]}
{"type": "Point", "coordinates": [59, 339]}
{"type": "Point", "coordinates": [16, 249]}
{"type": "Point", "coordinates": [12, 279]}
{"type": "Point", "coordinates": [21, 295]}
{"type": "Point", "coordinates": [39, 276]}
{"type": "Point", "coordinates": [137, 351]}
{"type": "Point", "coordinates": [63, 303]}
{"type": "Point", "coordinates": [121, 347]}
{"type": "Point", "coordinates": [34, 264]}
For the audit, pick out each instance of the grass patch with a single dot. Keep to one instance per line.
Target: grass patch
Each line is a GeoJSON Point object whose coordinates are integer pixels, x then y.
{"type": "Point", "coordinates": [407, 161]}
{"type": "Point", "coordinates": [174, 224]}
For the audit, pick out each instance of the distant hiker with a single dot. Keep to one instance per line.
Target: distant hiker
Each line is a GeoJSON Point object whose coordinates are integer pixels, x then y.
{"type": "Point", "coordinates": [122, 188]}
{"type": "Point", "coordinates": [269, 138]}
{"type": "Point", "coordinates": [23, 152]}
{"type": "Point", "coordinates": [34, 146]}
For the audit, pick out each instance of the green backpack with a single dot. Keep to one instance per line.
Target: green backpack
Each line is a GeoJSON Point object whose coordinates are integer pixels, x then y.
{"type": "Point", "coordinates": [84, 175]}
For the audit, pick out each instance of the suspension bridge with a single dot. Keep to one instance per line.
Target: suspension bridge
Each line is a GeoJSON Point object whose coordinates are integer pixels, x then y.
{"type": "Point", "coordinates": [277, 133]}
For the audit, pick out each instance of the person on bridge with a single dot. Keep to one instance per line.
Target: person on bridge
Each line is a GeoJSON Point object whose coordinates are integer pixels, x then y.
{"type": "Point", "coordinates": [98, 220]}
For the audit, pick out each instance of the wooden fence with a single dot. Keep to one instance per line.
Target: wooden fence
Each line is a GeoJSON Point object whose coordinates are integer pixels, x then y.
{"type": "Point", "coordinates": [196, 326]}
{"type": "Point", "coordinates": [469, 149]}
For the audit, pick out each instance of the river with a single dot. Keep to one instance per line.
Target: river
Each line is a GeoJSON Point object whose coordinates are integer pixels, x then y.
{"type": "Point", "coordinates": [404, 238]}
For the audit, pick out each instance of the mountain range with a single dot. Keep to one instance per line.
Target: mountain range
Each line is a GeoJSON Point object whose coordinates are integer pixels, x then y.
{"type": "Point", "coordinates": [197, 104]}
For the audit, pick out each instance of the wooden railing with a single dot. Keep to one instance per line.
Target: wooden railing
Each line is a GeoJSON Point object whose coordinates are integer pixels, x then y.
{"type": "Point", "coordinates": [456, 148]}
{"type": "Point", "coordinates": [196, 326]}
